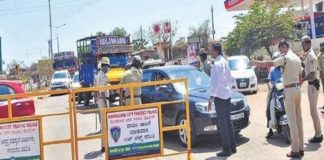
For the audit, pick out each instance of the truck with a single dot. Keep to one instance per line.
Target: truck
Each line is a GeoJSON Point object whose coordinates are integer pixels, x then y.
{"type": "Point", "coordinates": [91, 49]}
{"type": "Point", "coordinates": [65, 61]}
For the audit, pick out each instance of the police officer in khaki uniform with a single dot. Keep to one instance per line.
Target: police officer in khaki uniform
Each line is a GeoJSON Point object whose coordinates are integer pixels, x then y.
{"type": "Point", "coordinates": [320, 61]}
{"type": "Point", "coordinates": [133, 75]}
{"type": "Point", "coordinates": [102, 80]}
{"type": "Point", "coordinates": [291, 78]}
{"type": "Point", "coordinates": [205, 63]}
{"type": "Point", "coordinates": [310, 63]}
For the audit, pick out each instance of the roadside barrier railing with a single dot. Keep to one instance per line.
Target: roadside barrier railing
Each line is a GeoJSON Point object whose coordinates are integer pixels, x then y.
{"type": "Point", "coordinates": [111, 151]}
{"type": "Point", "coordinates": [17, 127]}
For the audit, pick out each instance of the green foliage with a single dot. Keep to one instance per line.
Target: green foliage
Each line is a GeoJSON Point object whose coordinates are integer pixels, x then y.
{"type": "Point", "coordinates": [202, 30]}
{"type": "Point", "coordinates": [118, 32]}
{"type": "Point", "coordinates": [139, 44]}
{"type": "Point", "coordinates": [264, 23]}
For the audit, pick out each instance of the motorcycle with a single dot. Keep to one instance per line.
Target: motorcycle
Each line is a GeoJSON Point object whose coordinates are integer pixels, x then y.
{"type": "Point", "coordinates": [277, 108]}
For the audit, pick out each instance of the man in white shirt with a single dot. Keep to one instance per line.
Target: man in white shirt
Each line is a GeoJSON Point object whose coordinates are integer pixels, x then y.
{"type": "Point", "coordinates": [220, 91]}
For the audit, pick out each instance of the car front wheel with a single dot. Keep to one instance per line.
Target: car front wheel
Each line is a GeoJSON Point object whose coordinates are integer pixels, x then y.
{"type": "Point", "coordinates": [182, 133]}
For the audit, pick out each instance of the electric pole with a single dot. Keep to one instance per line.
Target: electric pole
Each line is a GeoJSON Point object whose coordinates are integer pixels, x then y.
{"type": "Point", "coordinates": [141, 30]}
{"type": "Point", "coordinates": [57, 36]}
{"type": "Point", "coordinates": [51, 36]}
{"type": "Point", "coordinates": [212, 14]}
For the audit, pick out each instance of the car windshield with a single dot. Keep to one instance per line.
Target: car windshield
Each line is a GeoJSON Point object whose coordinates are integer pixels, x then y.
{"type": "Point", "coordinates": [197, 79]}
{"type": "Point", "coordinates": [118, 60]}
{"type": "Point", "coordinates": [59, 75]}
{"type": "Point", "coordinates": [240, 64]}
{"type": "Point", "coordinates": [76, 78]}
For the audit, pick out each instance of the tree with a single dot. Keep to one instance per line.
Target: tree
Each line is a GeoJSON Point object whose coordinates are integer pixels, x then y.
{"type": "Point", "coordinates": [139, 44]}
{"type": "Point", "coordinates": [264, 24]}
{"type": "Point", "coordinates": [118, 32]}
{"type": "Point", "coordinates": [202, 30]}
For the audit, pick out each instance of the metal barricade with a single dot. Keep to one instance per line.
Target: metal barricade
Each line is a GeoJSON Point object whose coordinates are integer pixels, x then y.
{"type": "Point", "coordinates": [132, 107]}
{"type": "Point", "coordinates": [39, 118]}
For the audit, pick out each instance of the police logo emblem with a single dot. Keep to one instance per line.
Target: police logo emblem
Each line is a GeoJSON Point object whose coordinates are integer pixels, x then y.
{"type": "Point", "coordinates": [115, 133]}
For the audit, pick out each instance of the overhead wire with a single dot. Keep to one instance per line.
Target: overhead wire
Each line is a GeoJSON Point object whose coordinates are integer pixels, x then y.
{"type": "Point", "coordinates": [38, 8]}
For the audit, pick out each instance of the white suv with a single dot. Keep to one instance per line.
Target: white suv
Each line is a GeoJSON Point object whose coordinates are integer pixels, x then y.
{"type": "Point", "coordinates": [61, 80]}
{"type": "Point", "coordinates": [243, 75]}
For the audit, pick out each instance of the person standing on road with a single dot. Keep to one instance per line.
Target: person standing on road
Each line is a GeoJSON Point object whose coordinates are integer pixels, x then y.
{"type": "Point", "coordinates": [320, 61]}
{"type": "Point", "coordinates": [220, 94]}
{"type": "Point", "coordinates": [275, 74]}
{"type": "Point", "coordinates": [291, 65]}
{"type": "Point", "coordinates": [310, 63]}
{"type": "Point", "coordinates": [102, 80]}
{"type": "Point", "coordinates": [133, 75]}
{"type": "Point", "coordinates": [205, 63]}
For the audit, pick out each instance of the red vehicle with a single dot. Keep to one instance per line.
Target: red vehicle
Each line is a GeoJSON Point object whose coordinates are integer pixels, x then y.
{"type": "Point", "coordinates": [20, 106]}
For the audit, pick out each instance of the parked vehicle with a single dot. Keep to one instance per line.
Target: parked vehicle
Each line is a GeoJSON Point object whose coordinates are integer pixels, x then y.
{"type": "Point", "coordinates": [244, 78]}
{"type": "Point", "coordinates": [92, 49]}
{"type": "Point", "coordinates": [202, 120]}
{"type": "Point", "coordinates": [277, 106]}
{"type": "Point", "coordinates": [20, 106]}
{"type": "Point", "coordinates": [65, 61]}
{"type": "Point", "coordinates": [61, 80]}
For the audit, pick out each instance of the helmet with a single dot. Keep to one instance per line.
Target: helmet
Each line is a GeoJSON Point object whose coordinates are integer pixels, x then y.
{"type": "Point", "coordinates": [105, 60]}
{"type": "Point", "coordinates": [275, 55]}
{"type": "Point", "coordinates": [305, 39]}
{"type": "Point", "coordinates": [137, 61]}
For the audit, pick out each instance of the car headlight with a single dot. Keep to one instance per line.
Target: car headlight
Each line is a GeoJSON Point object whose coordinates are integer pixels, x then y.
{"type": "Point", "coordinates": [253, 78]}
{"type": "Point", "coordinates": [202, 107]}
{"type": "Point", "coordinates": [233, 81]}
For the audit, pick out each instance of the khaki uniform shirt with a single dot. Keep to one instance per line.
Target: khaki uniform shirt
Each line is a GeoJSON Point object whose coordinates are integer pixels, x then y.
{"type": "Point", "coordinates": [206, 67]}
{"type": "Point", "coordinates": [101, 80]}
{"type": "Point", "coordinates": [132, 75]}
{"type": "Point", "coordinates": [311, 63]}
{"type": "Point", "coordinates": [320, 61]}
{"type": "Point", "coordinates": [291, 67]}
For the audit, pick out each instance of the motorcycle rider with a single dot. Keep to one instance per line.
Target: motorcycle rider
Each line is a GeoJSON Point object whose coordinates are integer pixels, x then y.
{"type": "Point", "coordinates": [275, 74]}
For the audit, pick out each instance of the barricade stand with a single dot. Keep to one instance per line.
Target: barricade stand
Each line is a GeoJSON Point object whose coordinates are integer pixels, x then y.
{"type": "Point", "coordinates": [127, 109]}
{"type": "Point", "coordinates": [39, 119]}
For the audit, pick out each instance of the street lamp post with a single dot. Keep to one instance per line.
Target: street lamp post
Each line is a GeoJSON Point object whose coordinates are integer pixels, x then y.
{"type": "Point", "coordinates": [212, 14]}
{"type": "Point", "coordinates": [57, 36]}
{"type": "Point", "coordinates": [50, 55]}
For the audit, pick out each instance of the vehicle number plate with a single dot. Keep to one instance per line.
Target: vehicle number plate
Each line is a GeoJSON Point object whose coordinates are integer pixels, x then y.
{"type": "Point", "coordinates": [242, 84]}
{"type": "Point", "coordinates": [237, 116]}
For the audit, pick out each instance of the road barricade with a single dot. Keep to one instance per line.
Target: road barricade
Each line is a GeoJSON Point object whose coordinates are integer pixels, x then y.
{"type": "Point", "coordinates": [22, 137]}
{"type": "Point", "coordinates": [134, 131]}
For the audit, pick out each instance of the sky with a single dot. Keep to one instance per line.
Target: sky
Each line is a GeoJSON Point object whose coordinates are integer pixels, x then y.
{"type": "Point", "coordinates": [24, 24]}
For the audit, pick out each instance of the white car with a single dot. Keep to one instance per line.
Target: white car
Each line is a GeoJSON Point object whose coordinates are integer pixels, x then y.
{"type": "Point", "coordinates": [75, 81]}
{"type": "Point", "coordinates": [243, 75]}
{"type": "Point", "coordinates": [61, 80]}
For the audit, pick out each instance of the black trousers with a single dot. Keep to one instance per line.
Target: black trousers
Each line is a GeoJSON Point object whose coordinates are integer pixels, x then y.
{"type": "Point", "coordinates": [225, 124]}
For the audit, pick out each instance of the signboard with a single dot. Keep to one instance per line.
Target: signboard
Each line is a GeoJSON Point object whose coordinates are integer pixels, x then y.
{"type": "Point", "coordinates": [232, 3]}
{"type": "Point", "coordinates": [167, 27]}
{"type": "Point", "coordinates": [133, 133]}
{"type": "Point", "coordinates": [193, 40]}
{"type": "Point", "coordinates": [191, 51]}
{"type": "Point", "coordinates": [20, 140]}
{"type": "Point", "coordinates": [63, 55]}
{"type": "Point", "coordinates": [115, 49]}
{"type": "Point", "coordinates": [156, 28]}
{"type": "Point", "coordinates": [112, 40]}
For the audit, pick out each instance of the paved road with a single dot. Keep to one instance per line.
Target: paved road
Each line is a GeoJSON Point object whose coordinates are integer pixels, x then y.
{"type": "Point", "coordinates": [251, 142]}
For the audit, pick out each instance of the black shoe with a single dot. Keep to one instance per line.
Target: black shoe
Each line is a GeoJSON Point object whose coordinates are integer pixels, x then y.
{"type": "Point", "coordinates": [322, 111]}
{"type": "Point", "coordinates": [301, 153]}
{"type": "Point", "coordinates": [316, 139]}
{"type": "Point", "coordinates": [223, 154]}
{"type": "Point", "coordinates": [269, 135]}
{"type": "Point", "coordinates": [233, 151]}
{"type": "Point", "coordinates": [293, 155]}
{"type": "Point", "coordinates": [103, 149]}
